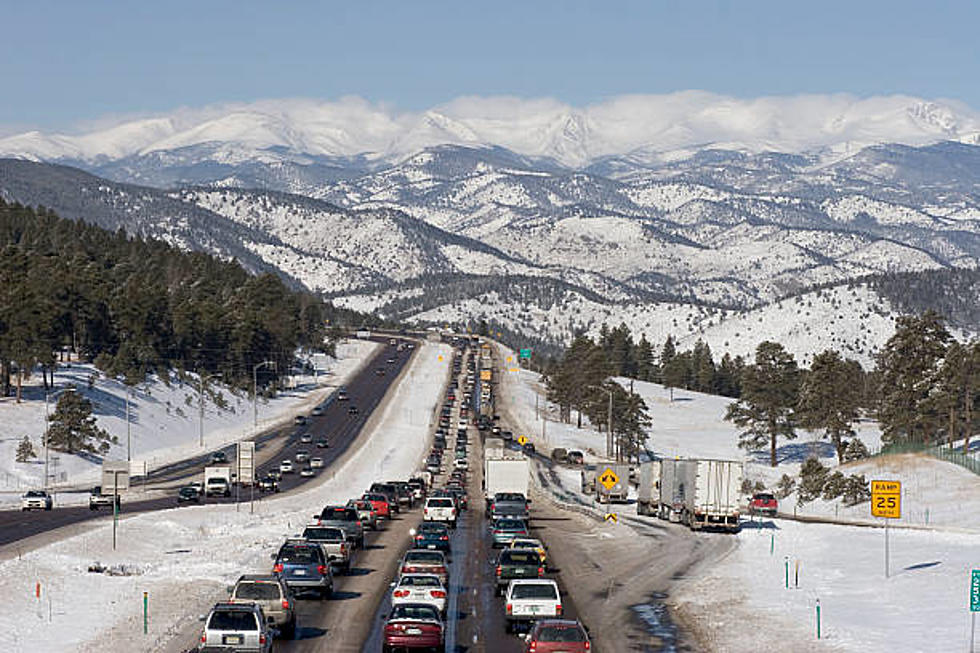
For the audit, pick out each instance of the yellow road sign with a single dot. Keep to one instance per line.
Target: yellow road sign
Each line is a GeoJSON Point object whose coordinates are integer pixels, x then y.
{"type": "Point", "coordinates": [522, 440]}
{"type": "Point", "coordinates": [886, 499]}
{"type": "Point", "coordinates": [608, 478]}
{"type": "Point", "coordinates": [486, 375]}
{"type": "Point", "coordinates": [613, 517]}
{"type": "Point", "coordinates": [440, 356]}
{"type": "Point", "coordinates": [510, 359]}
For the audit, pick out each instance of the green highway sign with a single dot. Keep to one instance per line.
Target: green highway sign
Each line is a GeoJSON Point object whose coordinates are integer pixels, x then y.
{"type": "Point", "coordinates": [525, 353]}
{"type": "Point", "coordinates": [975, 591]}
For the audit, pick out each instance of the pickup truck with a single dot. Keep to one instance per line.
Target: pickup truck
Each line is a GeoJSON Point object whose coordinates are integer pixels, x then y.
{"type": "Point", "coordinates": [531, 600]}
{"type": "Point", "coordinates": [333, 541]}
{"type": "Point", "coordinates": [517, 563]}
{"type": "Point", "coordinates": [96, 499]}
{"type": "Point", "coordinates": [763, 503]}
{"type": "Point", "coordinates": [346, 518]}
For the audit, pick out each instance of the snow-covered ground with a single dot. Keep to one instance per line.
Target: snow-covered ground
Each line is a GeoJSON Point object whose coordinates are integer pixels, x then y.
{"type": "Point", "coordinates": [164, 419]}
{"type": "Point", "coordinates": [184, 558]}
{"type": "Point", "coordinates": [740, 603]}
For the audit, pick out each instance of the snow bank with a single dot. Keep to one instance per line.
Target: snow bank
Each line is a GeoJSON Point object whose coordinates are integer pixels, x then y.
{"type": "Point", "coordinates": [184, 558]}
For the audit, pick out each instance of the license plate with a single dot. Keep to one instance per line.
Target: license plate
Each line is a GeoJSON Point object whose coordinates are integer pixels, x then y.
{"type": "Point", "coordinates": [534, 609]}
{"type": "Point", "coordinates": [413, 631]}
{"type": "Point", "coordinates": [232, 639]}
{"type": "Point", "coordinates": [432, 546]}
{"type": "Point", "coordinates": [299, 572]}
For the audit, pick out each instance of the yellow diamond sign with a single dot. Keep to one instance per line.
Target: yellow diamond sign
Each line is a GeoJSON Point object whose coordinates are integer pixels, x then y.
{"type": "Point", "coordinates": [522, 440]}
{"type": "Point", "coordinates": [608, 478]}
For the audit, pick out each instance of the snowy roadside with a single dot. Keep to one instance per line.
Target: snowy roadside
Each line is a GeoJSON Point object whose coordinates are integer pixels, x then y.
{"type": "Point", "coordinates": [164, 421]}
{"type": "Point", "coordinates": [184, 558]}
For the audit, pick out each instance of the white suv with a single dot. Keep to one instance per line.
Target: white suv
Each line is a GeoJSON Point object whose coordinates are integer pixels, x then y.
{"type": "Point", "coordinates": [237, 626]}
{"type": "Point", "coordinates": [36, 500]}
{"type": "Point", "coordinates": [530, 600]}
{"type": "Point", "coordinates": [440, 509]}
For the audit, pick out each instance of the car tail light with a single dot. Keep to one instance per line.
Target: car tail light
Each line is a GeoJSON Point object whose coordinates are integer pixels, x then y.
{"type": "Point", "coordinates": [285, 605]}
{"type": "Point", "coordinates": [400, 594]}
{"type": "Point", "coordinates": [358, 522]}
{"type": "Point", "coordinates": [510, 608]}
{"type": "Point", "coordinates": [262, 639]}
{"type": "Point", "coordinates": [587, 645]}
{"type": "Point", "coordinates": [558, 609]}
{"type": "Point", "coordinates": [321, 569]}
{"type": "Point", "coordinates": [540, 571]}
{"type": "Point", "coordinates": [444, 538]}
{"type": "Point", "coordinates": [532, 646]}
{"type": "Point", "coordinates": [277, 569]}
{"type": "Point", "coordinates": [343, 547]}
{"type": "Point", "coordinates": [498, 570]}
{"type": "Point", "coordinates": [204, 638]}
{"type": "Point", "coordinates": [437, 594]}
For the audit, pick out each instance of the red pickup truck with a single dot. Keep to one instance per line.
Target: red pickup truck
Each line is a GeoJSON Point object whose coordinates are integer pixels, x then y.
{"type": "Point", "coordinates": [763, 503]}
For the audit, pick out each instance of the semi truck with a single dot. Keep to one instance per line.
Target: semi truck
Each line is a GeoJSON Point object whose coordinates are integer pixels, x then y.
{"type": "Point", "coordinates": [701, 493]}
{"type": "Point", "coordinates": [648, 489]}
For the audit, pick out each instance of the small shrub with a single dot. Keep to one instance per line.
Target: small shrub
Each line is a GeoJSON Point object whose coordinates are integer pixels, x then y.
{"type": "Point", "coordinates": [834, 486]}
{"type": "Point", "coordinates": [857, 490]}
{"type": "Point", "coordinates": [786, 486]}
{"type": "Point", "coordinates": [856, 450]}
{"type": "Point", "coordinates": [813, 475]}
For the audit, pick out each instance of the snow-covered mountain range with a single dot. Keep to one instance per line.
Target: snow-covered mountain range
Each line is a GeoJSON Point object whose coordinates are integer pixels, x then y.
{"type": "Point", "coordinates": [692, 215]}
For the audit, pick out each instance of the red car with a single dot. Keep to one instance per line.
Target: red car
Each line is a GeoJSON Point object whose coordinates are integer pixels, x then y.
{"type": "Point", "coordinates": [552, 635]}
{"type": "Point", "coordinates": [380, 503]}
{"type": "Point", "coordinates": [412, 626]}
{"type": "Point", "coordinates": [763, 503]}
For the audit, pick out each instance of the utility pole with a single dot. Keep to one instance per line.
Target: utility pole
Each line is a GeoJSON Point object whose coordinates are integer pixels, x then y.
{"type": "Point", "coordinates": [609, 433]}
{"type": "Point", "coordinates": [255, 391]}
{"type": "Point", "coordinates": [129, 440]}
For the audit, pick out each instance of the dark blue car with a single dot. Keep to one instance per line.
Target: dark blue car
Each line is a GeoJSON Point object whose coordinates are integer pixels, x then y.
{"type": "Point", "coordinates": [432, 535]}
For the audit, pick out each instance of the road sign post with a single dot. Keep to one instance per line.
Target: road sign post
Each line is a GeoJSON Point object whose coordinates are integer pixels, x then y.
{"type": "Point", "coordinates": [974, 604]}
{"type": "Point", "coordinates": [886, 502]}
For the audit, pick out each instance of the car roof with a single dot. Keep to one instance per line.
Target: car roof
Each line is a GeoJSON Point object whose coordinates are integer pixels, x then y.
{"type": "Point", "coordinates": [263, 578]}
{"type": "Point", "coordinates": [534, 581]}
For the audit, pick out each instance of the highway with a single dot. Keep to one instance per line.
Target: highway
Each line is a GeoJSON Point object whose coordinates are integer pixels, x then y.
{"type": "Point", "coordinates": [366, 390]}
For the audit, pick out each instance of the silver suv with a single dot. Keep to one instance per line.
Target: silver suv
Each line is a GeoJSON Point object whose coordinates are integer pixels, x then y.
{"type": "Point", "coordinates": [238, 627]}
{"type": "Point", "coordinates": [272, 595]}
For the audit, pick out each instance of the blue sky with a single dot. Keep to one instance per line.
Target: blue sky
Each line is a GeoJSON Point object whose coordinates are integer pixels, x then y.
{"type": "Point", "coordinates": [65, 63]}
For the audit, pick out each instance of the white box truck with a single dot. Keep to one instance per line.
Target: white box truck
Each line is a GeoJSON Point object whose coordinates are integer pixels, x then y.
{"type": "Point", "coordinates": [648, 490]}
{"type": "Point", "coordinates": [217, 480]}
{"type": "Point", "coordinates": [701, 493]}
{"type": "Point", "coordinates": [505, 475]}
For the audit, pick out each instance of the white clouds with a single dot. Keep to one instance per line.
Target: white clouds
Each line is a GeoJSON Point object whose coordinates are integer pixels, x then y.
{"type": "Point", "coordinates": [537, 126]}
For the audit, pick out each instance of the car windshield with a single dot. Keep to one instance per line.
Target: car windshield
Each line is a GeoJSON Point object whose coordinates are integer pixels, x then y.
{"type": "Point", "coordinates": [420, 581]}
{"type": "Point", "coordinates": [318, 533]}
{"type": "Point", "coordinates": [414, 611]}
{"type": "Point", "coordinates": [375, 497]}
{"type": "Point", "coordinates": [435, 529]}
{"type": "Point", "coordinates": [35, 493]}
{"type": "Point", "coordinates": [534, 591]}
{"type": "Point", "coordinates": [764, 497]}
{"type": "Point", "coordinates": [424, 556]}
{"type": "Point", "coordinates": [298, 555]}
{"type": "Point", "coordinates": [560, 634]}
{"type": "Point", "coordinates": [258, 591]}
{"type": "Point", "coordinates": [441, 503]}
{"type": "Point", "coordinates": [232, 620]}
{"type": "Point", "coordinates": [519, 557]}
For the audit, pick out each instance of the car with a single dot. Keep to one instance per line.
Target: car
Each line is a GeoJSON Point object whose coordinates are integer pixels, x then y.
{"type": "Point", "coordinates": [352, 410]}
{"type": "Point", "coordinates": [506, 529]}
{"type": "Point", "coordinates": [333, 541]}
{"type": "Point", "coordinates": [529, 600]}
{"type": "Point", "coordinates": [554, 635]}
{"type": "Point", "coordinates": [237, 627]}
{"type": "Point", "coordinates": [97, 499]}
{"type": "Point", "coordinates": [425, 561]}
{"type": "Point", "coordinates": [366, 512]}
{"type": "Point", "coordinates": [218, 458]}
{"type": "Point", "coordinates": [344, 517]}
{"type": "Point", "coordinates": [271, 594]}
{"type": "Point", "coordinates": [36, 500]}
{"type": "Point", "coordinates": [217, 486]}
{"type": "Point", "coordinates": [559, 455]}
{"type": "Point", "coordinates": [462, 424]}
{"type": "Point", "coordinates": [414, 626]}
{"type": "Point", "coordinates": [306, 438]}
{"type": "Point", "coordinates": [304, 567]}
{"type": "Point", "coordinates": [274, 474]}
{"type": "Point", "coordinates": [418, 486]}
{"type": "Point", "coordinates": [528, 448]}
{"type": "Point", "coordinates": [461, 463]}
{"type": "Point", "coordinates": [302, 456]}
{"type": "Point", "coordinates": [530, 543]}
{"type": "Point", "coordinates": [286, 467]}
{"type": "Point", "coordinates": [419, 588]}
{"type": "Point", "coordinates": [440, 509]}
{"type": "Point", "coordinates": [317, 411]}
{"type": "Point", "coordinates": [431, 535]}
{"type": "Point", "coordinates": [380, 371]}
{"type": "Point", "coordinates": [268, 483]}
{"type": "Point", "coordinates": [404, 493]}
{"type": "Point", "coordinates": [390, 491]}
{"type": "Point", "coordinates": [763, 503]}
{"type": "Point", "coordinates": [342, 395]}
{"type": "Point", "coordinates": [316, 462]}
{"type": "Point", "coordinates": [517, 563]}
{"type": "Point", "coordinates": [300, 419]}
{"type": "Point", "coordinates": [391, 361]}
{"type": "Point", "coordinates": [188, 494]}
{"type": "Point", "coordinates": [322, 443]}
{"type": "Point", "coordinates": [307, 472]}
{"type": "Point", "coordinates": [379, 502]}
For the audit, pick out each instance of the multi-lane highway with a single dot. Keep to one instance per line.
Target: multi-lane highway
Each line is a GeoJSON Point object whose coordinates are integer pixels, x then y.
{"type": "Point", "coordinates": [365, 391]}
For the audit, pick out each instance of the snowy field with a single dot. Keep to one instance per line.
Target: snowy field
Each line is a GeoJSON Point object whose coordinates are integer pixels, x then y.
{"type": "Point", "coordinates": [740, 603]}
{"type": "Point", "coordinates": [184, 558]}
{"type": "Point", "coordinates": [164, 420]}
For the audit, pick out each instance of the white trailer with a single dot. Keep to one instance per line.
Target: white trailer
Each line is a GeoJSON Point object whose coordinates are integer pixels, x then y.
{"type": "Point", "coordinates": [701, 493]}
{"type": "Point", "coordinates": [505, 475]}
{"type": "Point", "coordinates": [217, 480]}
{"type": "Point", "coordinates": [648, 491]}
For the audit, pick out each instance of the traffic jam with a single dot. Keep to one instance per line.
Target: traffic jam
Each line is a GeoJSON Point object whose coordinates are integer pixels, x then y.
{"type": "Point", "coordinates": [472, 572]}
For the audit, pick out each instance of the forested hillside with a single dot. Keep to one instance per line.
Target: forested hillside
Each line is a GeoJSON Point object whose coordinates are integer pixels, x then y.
{"type": "Point", "coordinates": [135, 306]}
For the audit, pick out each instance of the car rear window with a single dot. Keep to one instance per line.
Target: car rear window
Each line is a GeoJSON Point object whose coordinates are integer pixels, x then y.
{"type": "Point", "coordinates": [424, 556]}
{"type": "Point", "coordinates": [414, 611]}
{"type": "Point", "coordinates": [534, 591]}
{"type": "Point", "coordinates": [441, 503]}
{"type": "Point", "coordinates": [299, 555]}
{"type": "Point", "coordinates": [420, 581]}
{"type": "Point", "coordinates": [520, 557]}
{"type": "Point", "coordinates": [258, 591]}
{"type": "Point", "coordinates": [560, 634]}
{"type": "Point", "coordinates": [510, 524]}
{"type": "Point", "coordinates": [318, 533]}
{"type": "Point", "coordinates": [339, 514]}
{"type": "Point", "coordinates": [232, 620]}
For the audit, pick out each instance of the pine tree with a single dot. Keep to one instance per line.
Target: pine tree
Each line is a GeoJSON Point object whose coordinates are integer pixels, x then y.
{"type": "Point", "coordinates": [645, 363]}
{"type": "Point", "coordinates": [73, 428]}
{"type": "Point", "coordinates": [909, 369]}
{"type": "Point", "coordinates": [830, 398]}
{"type": "Point", "coordinates": [25, 450]}
{"type": "Point", "coordinates": [770, 390]}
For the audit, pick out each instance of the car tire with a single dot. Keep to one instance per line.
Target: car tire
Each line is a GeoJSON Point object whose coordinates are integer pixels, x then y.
{"type": "Point", "coordinates": [508, 627]}
{"type": "Point", "coordinates": [326, 594]}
